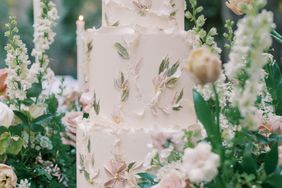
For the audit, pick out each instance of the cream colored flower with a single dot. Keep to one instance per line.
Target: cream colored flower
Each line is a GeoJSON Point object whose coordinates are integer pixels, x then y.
{"type": "Point", "coordinates": [235, 5]}
{"type": "Point", "coordinates": [8, 178]}
{"type": "Point", "coordinates": [6, 115]}
{"type": "Point", "coordinates": [200, 163]}
{"type": "Point", "coordinates": [204, 65]}
{"type": "Point", "coordinates": [36, 110]}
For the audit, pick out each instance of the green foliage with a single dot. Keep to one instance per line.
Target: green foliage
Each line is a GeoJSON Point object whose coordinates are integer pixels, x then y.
{"type": "Point", "coordinates": [273, 82]}
{"type": "Point", "coordinates": [207, 118]}
{"type": "Point", "coordinates": [229, 34]}
{"type": "Point", "coordinates": [146, 180]}
{"type": "Point", "coordinates": [198, 20]}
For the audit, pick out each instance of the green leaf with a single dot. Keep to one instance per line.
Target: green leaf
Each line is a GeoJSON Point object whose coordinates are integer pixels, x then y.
{"type": "Point", "coordinates": [52, 104]}
{"type": "Point", "coordinates": [275, 180]}
{"type": "Point", "coordinates": [15, 145]}
{"type": "Point", "coordinates": [164, 65]}
{"type": "Point", "coordinates": [207, 118]}
{"type": "Point", "coordinates": [271, 159]}
{"type": "Point", "coordinates": [147, 176]}
{"type": "Point", "coordinates": [130, 166]}
{"type": "Point", "coordinates": [37, 128]}
{"type": "Point", "coordinates": [173, 69]}
{"type": "Point", "coordinates": [121, 50]}
{"type": "Point", "coordinates": [22, 116]}
{"type": "Point", "coordinates": [249, 164]}
{"type": "Point", "coordinates": [4, 141]}
{"type": "Point", "coordinates": [34, 91]}
{"type": "Point", "coordinates": [42, 119]}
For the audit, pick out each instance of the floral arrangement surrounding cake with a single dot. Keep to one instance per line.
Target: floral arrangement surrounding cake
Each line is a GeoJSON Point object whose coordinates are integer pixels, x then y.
{"type": "Point", "coordinates": [32, 151]}
{"type": "Point", "coordinates": [156, 107]}
{"type": "Point", "coordinates": [162, 111]}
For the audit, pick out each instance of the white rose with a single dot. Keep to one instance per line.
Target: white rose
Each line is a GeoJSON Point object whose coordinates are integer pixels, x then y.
{"type": "Point", "coordinates": [200, 163]}
{"type": "Point", "coordinates": [8, 178]}
{"type": "Point", "coordinates": [6, 115]}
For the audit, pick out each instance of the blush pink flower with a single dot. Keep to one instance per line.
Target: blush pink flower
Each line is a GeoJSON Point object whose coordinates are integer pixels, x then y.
{"type": "Point", "coordinates": [172, 180]}
{"type": "Point", "coordinates": [116, 171]}
{"type": "Point", "coordinates": [70, 120]}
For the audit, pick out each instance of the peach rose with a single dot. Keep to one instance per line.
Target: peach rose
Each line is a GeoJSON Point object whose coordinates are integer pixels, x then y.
{"type": "Point", "coordinates": [8, 178]}
{"type": "Point", "coordinates": [3, 81]}
{"type": "Point", "coordinates": [235, 5]}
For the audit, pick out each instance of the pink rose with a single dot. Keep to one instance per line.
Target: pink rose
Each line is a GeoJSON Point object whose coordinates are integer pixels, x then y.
{"type": "Point", "coordinates": [172, 180]}
{"type": "Point", "coordinates": [70, 120]}
{"type": "Point", "coordinates": [3, 81]}
{"type": "Point", "coordinates": [276, 123]}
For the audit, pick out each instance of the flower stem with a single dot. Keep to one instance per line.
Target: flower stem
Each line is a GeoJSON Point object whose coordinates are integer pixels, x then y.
{"type": "Point", "coordinates": [217, 106]}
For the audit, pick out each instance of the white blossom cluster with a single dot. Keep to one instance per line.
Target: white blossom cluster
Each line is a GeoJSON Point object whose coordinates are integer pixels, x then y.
{"type": "Point", "coordinates": [44, 36]}
{"type": "Point", "coordinates": [24, 184]}
{"type": "Point", "coordinates": [247, 59]}
{"type": "Point", "coordinates": [19, 77]}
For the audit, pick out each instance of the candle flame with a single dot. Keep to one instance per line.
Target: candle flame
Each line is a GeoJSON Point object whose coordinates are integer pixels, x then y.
{"type": "Point", "coordinates": [80, 18]}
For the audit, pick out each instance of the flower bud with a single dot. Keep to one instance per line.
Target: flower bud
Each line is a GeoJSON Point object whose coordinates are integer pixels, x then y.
{"type": "Point", "coordinates": [204, 65]}
{"type": "Point", "coordinates": [235, 5]}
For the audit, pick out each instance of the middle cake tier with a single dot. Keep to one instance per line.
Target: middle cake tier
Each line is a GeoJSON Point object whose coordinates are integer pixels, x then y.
{"type": "Point", "coordinates": [138, 78]}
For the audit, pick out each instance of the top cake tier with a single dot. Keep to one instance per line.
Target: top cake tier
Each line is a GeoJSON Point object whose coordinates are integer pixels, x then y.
{"type": "Point", "coordinates": [163, 14]}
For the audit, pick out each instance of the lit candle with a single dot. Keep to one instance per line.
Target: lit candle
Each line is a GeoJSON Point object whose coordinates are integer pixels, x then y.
{"type": "Point", "coordinates": [80, 29]}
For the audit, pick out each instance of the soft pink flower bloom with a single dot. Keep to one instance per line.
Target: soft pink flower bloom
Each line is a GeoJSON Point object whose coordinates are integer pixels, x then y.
{"type": "Point", "coordinates": [276, 123]}
{"type": "Point", "coordinates": [158, 140]}
{"type": "Point", "coordinates": [86, 101]}
{"type": "Point", "coordinates": [70, 120]}
{"type": "Point", "coordinates": [172, 180]}
{"type": "Point", "coordinates": [116, 171]}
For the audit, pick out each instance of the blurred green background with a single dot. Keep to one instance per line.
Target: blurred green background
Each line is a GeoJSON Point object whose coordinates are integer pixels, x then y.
{"type": "Point", "coordinates": [63, 51]}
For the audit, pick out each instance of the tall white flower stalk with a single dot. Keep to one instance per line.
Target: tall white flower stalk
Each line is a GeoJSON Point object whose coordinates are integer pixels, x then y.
{"type": "Point", "coordinates": [247, 59]}
{"type": "Point", "coordinates": [17, 61]}
{"type": "Point", "coordinates": [43, 38]}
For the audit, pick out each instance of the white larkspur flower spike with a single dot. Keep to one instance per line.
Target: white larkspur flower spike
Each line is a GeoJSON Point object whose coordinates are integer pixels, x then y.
{"type": "Point", "coordinates": [19, 78]}
{"type": "Point", "coordinates": [247, 59]}
{"type": "Point", "coordinates": [44, 35]}
{"type": "Point", "coordinates": [200, 163]}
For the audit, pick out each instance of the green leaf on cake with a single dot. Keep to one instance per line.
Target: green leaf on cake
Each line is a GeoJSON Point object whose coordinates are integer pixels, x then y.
{"type": "Point", "coordinates": [96, 105]}
{"type": "Point", "coordinates": [121, 50]}
{"type": "Point", "coordinates": [164, 65]}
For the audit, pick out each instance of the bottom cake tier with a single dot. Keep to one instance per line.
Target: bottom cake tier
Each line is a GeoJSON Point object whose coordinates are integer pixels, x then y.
{"type": "Point", "coordinates": [109, 156]}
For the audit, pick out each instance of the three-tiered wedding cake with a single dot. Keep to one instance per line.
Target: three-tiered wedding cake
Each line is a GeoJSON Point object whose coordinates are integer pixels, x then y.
{"type": "Point", "coordinates": [133, 65]}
